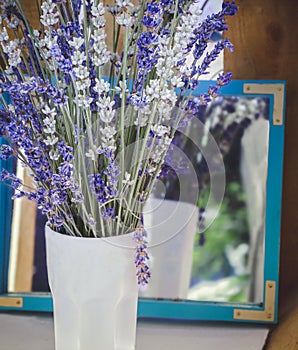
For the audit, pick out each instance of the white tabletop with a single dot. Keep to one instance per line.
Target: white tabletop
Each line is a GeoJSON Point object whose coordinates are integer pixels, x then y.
{"type": "Point", "coordinates": [23, 331]}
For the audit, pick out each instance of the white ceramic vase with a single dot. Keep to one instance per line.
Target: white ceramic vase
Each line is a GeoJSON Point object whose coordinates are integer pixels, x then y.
{"type": "Point", "coordinates": [171, 227]}
{"type": "Point", "coordinates": [95, 291]}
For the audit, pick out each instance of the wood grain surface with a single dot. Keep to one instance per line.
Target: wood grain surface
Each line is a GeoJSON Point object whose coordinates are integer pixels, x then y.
{"type": "Point", "coordinates": [265, 35]}
{"type": "Point", "coordinates": [30, 9]}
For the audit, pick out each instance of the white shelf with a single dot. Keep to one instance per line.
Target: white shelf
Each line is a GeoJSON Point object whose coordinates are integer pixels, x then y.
{"type": "Point", "coordinates": [35, 332]}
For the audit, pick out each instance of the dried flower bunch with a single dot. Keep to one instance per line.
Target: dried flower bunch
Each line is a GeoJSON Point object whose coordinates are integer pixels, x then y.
{"type": "Point", "coordinates": [92, 123]}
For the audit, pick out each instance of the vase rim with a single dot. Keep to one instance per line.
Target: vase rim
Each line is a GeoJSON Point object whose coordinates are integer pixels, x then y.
{"type": "Point", "coordinates": [122, 241]}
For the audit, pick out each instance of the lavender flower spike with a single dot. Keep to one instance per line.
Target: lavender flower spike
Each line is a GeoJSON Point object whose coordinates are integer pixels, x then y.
{"type": "Point", "coordinates": [6, 151]}
{"type": "Point", "coordinates": [142, 256]}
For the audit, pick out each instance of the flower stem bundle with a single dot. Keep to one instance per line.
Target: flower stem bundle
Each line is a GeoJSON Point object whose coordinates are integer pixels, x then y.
{"type": "Point", "coordinates": [93, 123]}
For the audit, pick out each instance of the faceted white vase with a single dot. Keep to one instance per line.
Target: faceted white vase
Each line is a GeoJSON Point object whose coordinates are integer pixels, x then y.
{"type": "Point", "coordinates": [171, 228]}
{"type": "Point", "coordinates": [94, 288]}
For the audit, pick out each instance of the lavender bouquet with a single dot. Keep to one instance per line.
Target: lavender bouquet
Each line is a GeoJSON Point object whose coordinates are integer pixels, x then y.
{"type": "Point", "coordinates": [93, 123]}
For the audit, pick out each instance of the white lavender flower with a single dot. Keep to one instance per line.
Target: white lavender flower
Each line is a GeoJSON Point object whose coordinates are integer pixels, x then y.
{"type": "Point", "coordinates": [107, 135]}
{"type": "Point", "coordinates": [99, 22]}
{"type": "Point", "coordinates": [101, 87]}
{"type": "Point", "coordinates": [153, 89]}
{"type": "Point", "coordinates": [81, 72]}
{"type": "Point", "coordinates": [48, 111]}
{"type": "Point", "coordinates": [49, 15]}
{"type": "Point", "coordinates": [106, 115]}
{"type": "Point", "coordinates": [11, 48]}
{"type": "Point", "coordinates": [122, 86]}
{"type": "Point", "coordinates": [83, 84]}
{"type": "Point", "coordinates": [3, 35]}
{"type": "Point", "coordinates": [160, 130]}
{"type": "Point", "coordinates": [124, 3]}
{"type": "Point", "coordinates": [106, 111]}
{"type": "Point", "coordinates": [45, 45]}
{"type": "Point", "coordinates": [14, 58]}
{"type": "Point", "coordinates": [125, 20]}
{"type": "Point", "coordinates": [141, 119]}
{"type": "Point", "coordinates": [127, 181]}
{"type": "Point", "coordinates": [54, 154]}
{"type": "Point", "coordinates": [83, 101]}
{"type": "Point", "coordinates": [99, 51]}
{"type": "Point", "coordinates": [157, 152]}
{"type": "Point", "coordinates": [50, 128]}
{"type": "Point", "coordinates": [77, 58]}
{"type": "Point", "coordinates": [99, 36]}
{"type": "Point", "coordinates": [77, 43]}
{"type": "Point", "coordinates": [91, 221]}
{"type": "Point", "coordinates": [98, 11]}
{"type": "Point", "coordinates": [177, 82]}
{"type": "Point", "coordinates": [90, 154]}
{"type": "Point", "coordinates": [51, 140]}
{"type": "Point", "coordinates": [168, 67]}
{"type": "Point", "coordinates": [13, 23]}
{"type": "Point", "coordinates": [50, 125]}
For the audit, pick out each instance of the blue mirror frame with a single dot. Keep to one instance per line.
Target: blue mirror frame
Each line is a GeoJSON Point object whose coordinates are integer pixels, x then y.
{"type": "Point", "coordinates": [266, 311]}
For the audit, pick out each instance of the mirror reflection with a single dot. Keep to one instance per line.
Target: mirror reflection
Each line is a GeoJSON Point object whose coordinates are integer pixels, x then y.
{"type": "Point", "coordinates": [205, 243]}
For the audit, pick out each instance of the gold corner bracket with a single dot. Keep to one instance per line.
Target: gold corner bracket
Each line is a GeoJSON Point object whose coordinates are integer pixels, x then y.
{"type": "Point", "coordinates": [11, 302]}
{"type": "Point", "coordinates": [278, 90]}
{"type": "Point", "coordinates": [267, 314]}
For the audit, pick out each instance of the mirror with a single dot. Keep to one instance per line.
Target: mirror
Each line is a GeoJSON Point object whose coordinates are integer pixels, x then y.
{"type": "Point", "coordinates": [217, 247]}
{"type": "Point", "coordinates": [212, 240]}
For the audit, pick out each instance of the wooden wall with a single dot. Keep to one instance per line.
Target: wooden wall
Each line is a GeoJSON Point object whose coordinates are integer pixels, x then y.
{"type": "Point", "coordinates": [265, 35]}
{"type": "Point", "coordinates": [30, 9]}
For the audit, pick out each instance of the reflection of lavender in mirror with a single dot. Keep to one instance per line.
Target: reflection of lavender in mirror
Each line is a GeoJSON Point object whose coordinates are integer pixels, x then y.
{"type": "Point", "coordinates": [225, 119]}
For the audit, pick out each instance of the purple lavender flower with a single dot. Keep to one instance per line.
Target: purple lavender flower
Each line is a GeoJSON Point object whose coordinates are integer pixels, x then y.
{"type": "Point", "coordinates": [194, 104]}
{"type": "Point", "coordinates": [147, 39]}
{"type": "Point", "coordinates": [65, 151]}
{"type": "Point", "coordinates": [112, 174]}
{"type": "Point", "coordinates": [66, 175]}
{"type": "Point", "coordinates": [108, 213]}
{"type": "Point", "coordinates": [43, 200]}
{"type": "Point", "coordinates": [224, 79]}
{"type": "Point", "coordinates": [148, 49]}
{"type": "Point", "coordinates": [213, 23]}
{"type": "Point", "coordinates": [63, 63]}
{"type": "Point", "coordinates": [4, 117]}
{"type": "Point", "coordinates": [154, 9]}
{"type": "Point", "coordinates": [6, 151]}
{"type": "Point", "coordinates": [138, 101]}
{"type": "Point", "coordinates": [56, 220]}
{"type": "Point", "coordinates": [229, 9]}
{"type": "Point", "coordinates": [93, 94]}
{"type": "Point", "coordinates": [213, 91]}
{"type": "Point", "coordinates": [210, 57]}
{"type": "Point", "coordinates": [143, 273]}
{"type": "Point", "coordinates": [151, 22]}
{"type": "Point", "coordinates": [10, 179]}
{"type": "Point", "coordinates": [4, 175]}
{"type": "Point", "coordinates": [168, 2]}
{"type": "Point", "coordinates": [98, 187]}
{"type": "Point", "coordinates": [77, 4]}
{"type": "Point", "coordinates": [58, 196]}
